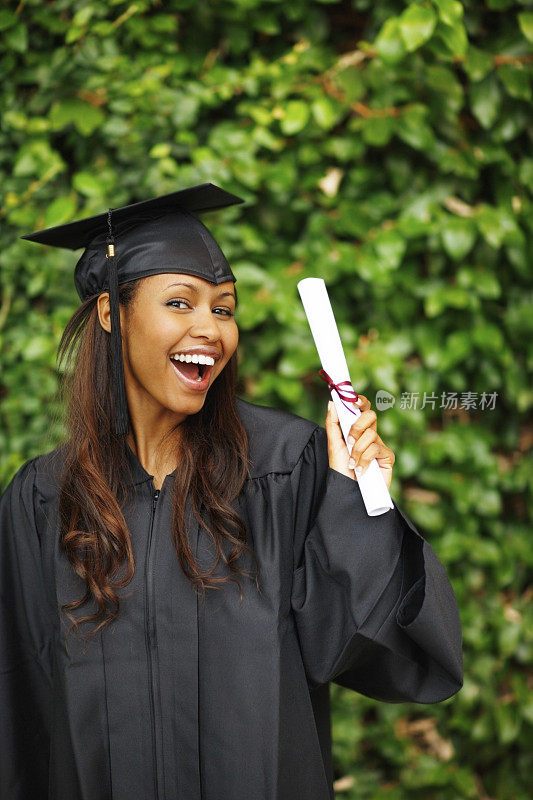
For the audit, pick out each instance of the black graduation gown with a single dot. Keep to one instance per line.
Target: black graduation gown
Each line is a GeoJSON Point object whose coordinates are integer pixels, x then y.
{"type": "Point", "coordinates": [222, 701]}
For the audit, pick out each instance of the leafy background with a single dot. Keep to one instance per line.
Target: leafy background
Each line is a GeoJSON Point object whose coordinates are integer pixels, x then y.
{"type": "Point", "coordinates": [386, 147]}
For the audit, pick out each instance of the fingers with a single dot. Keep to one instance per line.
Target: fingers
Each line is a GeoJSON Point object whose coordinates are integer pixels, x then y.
{"type": "Point", "coordinates": [337, 453]}
{"type": "Point", "coordinates": [332, 415]}
{"type": "Point", "coordinates": [364, 403]}
{"type": "Point", "coordinates": [383, 455]}
{"type": "Point", "coordinates": [333, 428]}
{"type": "Point", "coordinates": [364, 453]}
{"type": "Point", "coordinates": [368, 419]}
{"type": "Point", "coordinates": [365, 449]}
{"type": "Point", "coordinates": [364, 443]}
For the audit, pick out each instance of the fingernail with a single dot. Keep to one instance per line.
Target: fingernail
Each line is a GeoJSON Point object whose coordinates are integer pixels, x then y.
{"type": "Point", "coordinates": [359, 470]}
{"type": "Point", "coordinates": [358, 401]}
{"type": "Point", "coordinates": [350, 442]}
{"type": "Point", "coordinates": [351, 464]}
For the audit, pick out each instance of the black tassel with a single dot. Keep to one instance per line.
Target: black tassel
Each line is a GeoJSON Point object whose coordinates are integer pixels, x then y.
{"type": "Point", "coordinates": [119, 383]}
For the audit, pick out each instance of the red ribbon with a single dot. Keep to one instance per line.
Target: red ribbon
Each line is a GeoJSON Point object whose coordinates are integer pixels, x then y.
{"type": "Point", "coordinates": [350, 395]}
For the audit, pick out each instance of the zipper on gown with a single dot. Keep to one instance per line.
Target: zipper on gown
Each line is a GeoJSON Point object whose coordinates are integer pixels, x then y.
{"type": "Point", "coordinates": [150, 638]}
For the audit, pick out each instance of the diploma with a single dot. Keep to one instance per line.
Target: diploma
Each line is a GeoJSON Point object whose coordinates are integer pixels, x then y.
{"type": "Point", "coordinates": [321, 320]}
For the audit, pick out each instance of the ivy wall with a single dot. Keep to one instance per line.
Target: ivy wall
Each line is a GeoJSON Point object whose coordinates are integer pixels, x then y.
{"type": "Point", "coordinates": [386, 147]}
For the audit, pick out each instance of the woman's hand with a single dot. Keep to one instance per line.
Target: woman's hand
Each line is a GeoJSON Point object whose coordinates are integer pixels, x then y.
{"type": "Point", "coordinates": [365, 446]}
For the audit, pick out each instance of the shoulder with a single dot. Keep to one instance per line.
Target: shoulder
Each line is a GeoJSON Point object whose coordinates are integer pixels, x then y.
{"type": "Point", "coordinates": [277, 438]}
{"type": "Point", "coordinates": [40, 474]}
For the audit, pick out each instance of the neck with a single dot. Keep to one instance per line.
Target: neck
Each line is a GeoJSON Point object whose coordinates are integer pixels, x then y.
{"type": "Point", "coordinates": [157, 454]}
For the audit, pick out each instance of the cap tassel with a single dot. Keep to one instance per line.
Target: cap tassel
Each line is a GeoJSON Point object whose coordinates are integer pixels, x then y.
{"type": "Point", "coordinates": [119, 384]}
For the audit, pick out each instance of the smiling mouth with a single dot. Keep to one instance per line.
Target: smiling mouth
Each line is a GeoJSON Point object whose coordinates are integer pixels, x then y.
{"type": "Point", "coordinates": [195, 376]}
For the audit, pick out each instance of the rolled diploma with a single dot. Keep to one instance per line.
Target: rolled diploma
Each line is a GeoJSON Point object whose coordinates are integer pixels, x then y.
{"type": "Point", "coordinates": [321, 320]}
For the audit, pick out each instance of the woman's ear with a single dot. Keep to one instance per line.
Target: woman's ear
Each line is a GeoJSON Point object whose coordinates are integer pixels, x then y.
{"type": "Point", "coordinates": [104, 311]}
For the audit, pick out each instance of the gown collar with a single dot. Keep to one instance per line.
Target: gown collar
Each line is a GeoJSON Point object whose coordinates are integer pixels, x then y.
{"type": "Point", "coordinates": [138, 472]}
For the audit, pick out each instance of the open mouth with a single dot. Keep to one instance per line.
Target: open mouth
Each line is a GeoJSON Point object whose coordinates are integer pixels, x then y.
{"type": "Point", "coordinates": [195, 376]}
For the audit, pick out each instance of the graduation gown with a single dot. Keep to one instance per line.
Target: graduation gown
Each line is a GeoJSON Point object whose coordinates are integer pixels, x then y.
{"type": "Point", "coordinates": [179, 699]}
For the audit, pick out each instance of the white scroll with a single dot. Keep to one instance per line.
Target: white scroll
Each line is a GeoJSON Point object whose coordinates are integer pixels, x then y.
{"type": "Point", "coordinates": [321, 320]}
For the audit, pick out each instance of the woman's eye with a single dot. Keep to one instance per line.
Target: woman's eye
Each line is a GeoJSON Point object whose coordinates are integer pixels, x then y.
{"type": "Point", "coordinates": [170, 302]}
{"type": "Point", "coordinates": [226, 311]}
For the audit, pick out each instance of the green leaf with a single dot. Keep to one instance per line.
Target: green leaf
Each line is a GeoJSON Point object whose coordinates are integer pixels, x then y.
{"type": "Point", "coordinates": [488, 337]}
{"type": "Point", "coordinates": [7, 19]}
{"type": "Point", "coordinates": [485, 100]}
{"type": "Point", "coordinates": [507, 716]}
{"type": "Point", "coordinates": [59, 211]}
{"type": "Point", "coordinates": [377, 131]}
{"type": "Point", "coordinates": [161, 150]}
{"type": "Point", "coordinates": [389, 42]}
{"type": "Point", "coordinates": [37, 347]}
{"type": "Point", "coordinates": [186, 111]}
{"type": "Point", "coordinates": [498, 226]}
{"type": "Point", "coordinates": [88, 184]}
{"type": "Point", "coordinates": [295, 117]}
{"type": "Point", "coordinates": [441, 297]}
{"type": "Point", "coordinates": [36, 285]}
{"type": "Point", "coordinates": [479, 280]}
{"type": "Point", "coordinates": [417, 24]}
{"type": "Point", "coordinates": [477, 63]}
{"type": "Point", "coordinates": [36, 157]}
{"type": "Point", "coordinates": [509, 126]}
{"type": "Point", "coordinates": [458, 236]}
{"type": "Point", "coordinates": [351, 82]}
{"type": "Point", "coordinates": [525, 20]}
{"type": "Point", "coordinates": [90, 120]}
{"type": "Point", "coordinates": [413, 128]}
{"type": "Point", "coordinates": [457, 345]}
{"type": "Point", "coordinates": [17, 38]}
{"type": "Point", "coordinates": [447, 88]}
{"type": "Point", "coordinates": [83, 16]}
{"type": "Point", "coordinates": [525, 173]}
{"type": "Point", "coordinates": [85, 117]}
{"type": "Point", "coordinates": [390, 248]}
{"type": "Point", "coordinates": [324, 113]}
{"type": "Point", "coordinates": [450, 11]}
{"type": "Point", "coordinates": [74, 33]}
{"type": "Point", "coordinates": [251, 274]}
{"type": "Point", "coordinates": [516, 80]}
{"type": "Point", "coordinates": [454, 37]}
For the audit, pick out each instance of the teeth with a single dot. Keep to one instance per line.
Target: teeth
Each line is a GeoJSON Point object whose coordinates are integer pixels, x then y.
{"type": "Point", "coordinates": [195, 359]}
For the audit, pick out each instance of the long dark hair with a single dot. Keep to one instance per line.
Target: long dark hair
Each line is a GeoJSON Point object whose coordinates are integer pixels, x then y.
{"type": "Point", "coordinates": [213, 466]}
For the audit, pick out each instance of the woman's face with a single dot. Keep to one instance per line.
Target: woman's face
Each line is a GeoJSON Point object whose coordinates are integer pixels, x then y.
{"type": "Point", "coordinates": [172, 314]}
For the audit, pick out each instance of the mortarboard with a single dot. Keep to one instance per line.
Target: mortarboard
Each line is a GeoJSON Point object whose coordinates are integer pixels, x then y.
{"type": "Point", "coordinates": [162, 234]}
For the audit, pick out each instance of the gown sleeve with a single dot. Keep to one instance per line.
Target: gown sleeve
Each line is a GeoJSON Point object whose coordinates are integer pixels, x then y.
{"type": "Point", "coordinates": [374, 609]}
{"type": "Point", "coordinates": [25, 674]}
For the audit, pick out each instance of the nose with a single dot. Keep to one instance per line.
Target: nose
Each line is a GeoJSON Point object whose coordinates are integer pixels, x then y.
{"type": "Point", "coordinates": [204, 323]}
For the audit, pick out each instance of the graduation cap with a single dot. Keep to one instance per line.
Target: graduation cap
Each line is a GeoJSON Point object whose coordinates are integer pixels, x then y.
{"type": "Point", "coordinates": [146, 238]}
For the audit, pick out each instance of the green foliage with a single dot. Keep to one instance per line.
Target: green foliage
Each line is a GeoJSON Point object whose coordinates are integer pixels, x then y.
{"type": "Point", "coordinates": [384, 147]}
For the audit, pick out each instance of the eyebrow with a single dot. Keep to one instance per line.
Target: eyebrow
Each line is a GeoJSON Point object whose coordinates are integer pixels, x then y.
{"type": "Point", "coordinates": [196, 290]}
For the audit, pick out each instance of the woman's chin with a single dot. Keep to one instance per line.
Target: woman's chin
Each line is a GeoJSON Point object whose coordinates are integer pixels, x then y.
{"type": "Point", "coordinates": [190, 405]}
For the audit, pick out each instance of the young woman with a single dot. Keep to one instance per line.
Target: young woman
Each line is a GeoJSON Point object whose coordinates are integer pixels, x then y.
{"type": "Point", "coordinates": [185, 574]}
